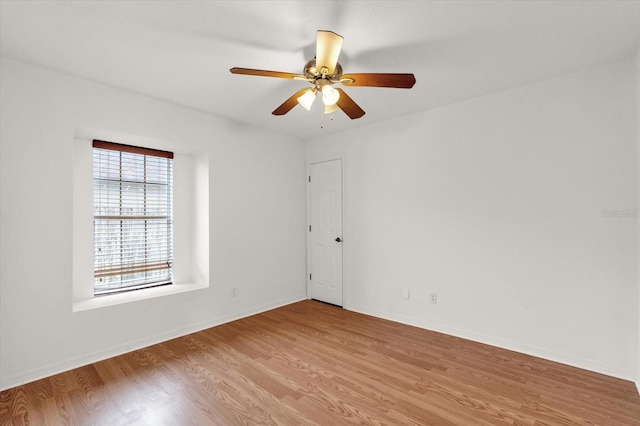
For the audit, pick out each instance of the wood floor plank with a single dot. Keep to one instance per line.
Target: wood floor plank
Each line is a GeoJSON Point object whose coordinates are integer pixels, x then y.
{"type": "Point", "coordinates": [309, 363]}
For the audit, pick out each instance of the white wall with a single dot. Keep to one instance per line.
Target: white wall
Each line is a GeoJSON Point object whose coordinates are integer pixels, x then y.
{"type": "Point", "coordinates": [497, 204]}
{"type": "Point", "coordinates": [256, 227]}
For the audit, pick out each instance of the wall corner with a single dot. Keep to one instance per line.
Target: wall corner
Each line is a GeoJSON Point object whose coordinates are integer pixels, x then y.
{"type": "Point", "coordinates": [638, 218]}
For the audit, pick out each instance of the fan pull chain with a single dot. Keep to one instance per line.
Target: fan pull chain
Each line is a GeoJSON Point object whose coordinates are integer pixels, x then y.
{"type": "Point", "coordinates": [322, 114]}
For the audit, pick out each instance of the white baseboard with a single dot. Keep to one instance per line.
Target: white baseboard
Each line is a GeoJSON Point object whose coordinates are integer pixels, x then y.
{"type": "Point", "coordinates": [520, 347]}
{"type": "Point", "coordinates": [55, 368]}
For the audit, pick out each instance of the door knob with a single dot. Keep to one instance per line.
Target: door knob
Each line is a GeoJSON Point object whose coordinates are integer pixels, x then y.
{"type": "Point", "coordinates": [338, 240]}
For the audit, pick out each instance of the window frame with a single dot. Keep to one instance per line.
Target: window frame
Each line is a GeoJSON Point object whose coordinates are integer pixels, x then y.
{"type": "Point", "coordinates": [166, 242]}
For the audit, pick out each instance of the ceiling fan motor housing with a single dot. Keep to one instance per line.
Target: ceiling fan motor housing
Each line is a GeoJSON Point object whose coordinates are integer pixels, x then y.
{"type": "Point", "coordinates": [311, 72]}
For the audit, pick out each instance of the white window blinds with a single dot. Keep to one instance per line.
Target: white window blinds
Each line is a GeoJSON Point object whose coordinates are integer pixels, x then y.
{"type": "Point", "coordinates": [132, 217]}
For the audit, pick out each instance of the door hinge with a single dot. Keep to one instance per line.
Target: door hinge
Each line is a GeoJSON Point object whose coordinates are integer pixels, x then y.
{"type": "Point", "coordinates": [309, 178]}
{"type": "Point", "coordinates": [309, 228]}
{"type": "Point", "coordinates": [309, 277]}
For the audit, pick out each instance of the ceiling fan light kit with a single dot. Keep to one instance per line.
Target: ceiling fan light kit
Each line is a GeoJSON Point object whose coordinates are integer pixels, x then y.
{"type": "Point", "coordinates": [307, 98]}
{"type": "Point", "coordinates": [330, 95]}
{"type": "Point", "coordinates": [323, 72]}
{"type": "Point", "coordinates": [330, 109]}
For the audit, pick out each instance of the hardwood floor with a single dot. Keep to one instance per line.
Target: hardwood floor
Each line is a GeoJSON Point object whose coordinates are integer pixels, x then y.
{"type": "Point", "coordinates": [314, 364]}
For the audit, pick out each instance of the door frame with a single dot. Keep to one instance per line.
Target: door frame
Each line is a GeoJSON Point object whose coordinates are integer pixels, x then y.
{"type": "Point", "coordinates": [315, 160]}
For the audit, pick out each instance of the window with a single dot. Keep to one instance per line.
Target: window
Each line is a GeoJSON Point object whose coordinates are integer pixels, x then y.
{"type": "Point", "coordinates": [132, 217]}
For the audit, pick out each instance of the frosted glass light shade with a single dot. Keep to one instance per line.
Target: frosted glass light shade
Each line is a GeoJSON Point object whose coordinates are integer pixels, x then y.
{"type": "Point", "coordinates": [307, 98]}
{"type": "Point", "coordinates": [328, 109]}
{"type": "Point", "coordinates": [329, 95]}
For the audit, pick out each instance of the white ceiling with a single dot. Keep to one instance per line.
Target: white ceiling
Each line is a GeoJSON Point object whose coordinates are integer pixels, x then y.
{"type": "Point", "coordinates": [181, 51]}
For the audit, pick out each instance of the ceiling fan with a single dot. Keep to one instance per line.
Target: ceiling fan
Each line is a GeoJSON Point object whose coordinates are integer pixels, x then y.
{"type": "Point", "coordinates": [323, 72]}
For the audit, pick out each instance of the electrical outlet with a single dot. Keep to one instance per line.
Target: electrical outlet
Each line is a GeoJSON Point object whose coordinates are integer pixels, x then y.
{"type": "Point", "coordinates": [405, 293]}
{"type": "Point", "coordinates": [434, 298]}
{"type": "Point", "coordinates": [234, 291]}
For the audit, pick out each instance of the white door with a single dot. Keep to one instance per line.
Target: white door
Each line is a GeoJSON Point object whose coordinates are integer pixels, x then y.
{"type": "Point", "coordinates": [325, 269]}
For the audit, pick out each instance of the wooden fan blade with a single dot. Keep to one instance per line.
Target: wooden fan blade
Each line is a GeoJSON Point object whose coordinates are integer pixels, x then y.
{"type": "Point", "coordinates": [328, 46]}
{"type": "Point", "coordinates": [399, 81]}
{"type": "Point", "coordinates": [289, 103]}
{"type": "Point", "coordinates": [349, 106]}
{"type": "Point", "coordinates": [266, 73]}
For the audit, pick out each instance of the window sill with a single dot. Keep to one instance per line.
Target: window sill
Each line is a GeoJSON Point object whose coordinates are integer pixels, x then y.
{"type": "Point", "coordinates": [133, 296]}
